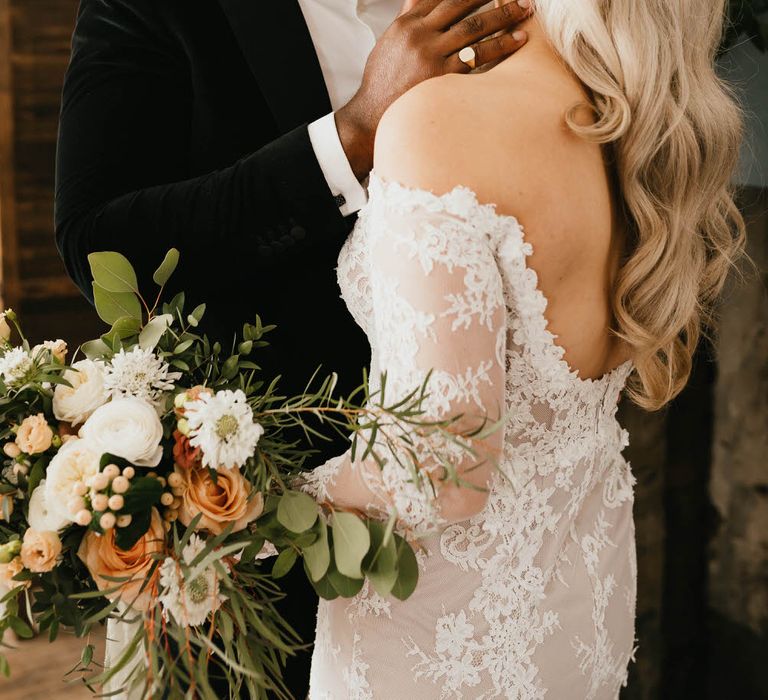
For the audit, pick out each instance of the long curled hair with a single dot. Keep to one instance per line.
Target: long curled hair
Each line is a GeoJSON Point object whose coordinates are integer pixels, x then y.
{"type": "Point", "coordinates": [674, 131]}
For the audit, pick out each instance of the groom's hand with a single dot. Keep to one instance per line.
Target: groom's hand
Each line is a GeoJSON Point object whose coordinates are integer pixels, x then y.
{"type": "Point", "coordinates": [423, 42]}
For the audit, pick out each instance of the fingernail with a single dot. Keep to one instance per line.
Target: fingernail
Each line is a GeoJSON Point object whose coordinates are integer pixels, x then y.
{"type": "Point", "coordinates": [519, 35]}
{"type": "Point", "coordinates": [525, 4]}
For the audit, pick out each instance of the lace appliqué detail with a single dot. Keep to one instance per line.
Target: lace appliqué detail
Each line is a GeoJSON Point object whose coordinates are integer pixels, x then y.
{"type": "Point", "coordinates": [562, 486]}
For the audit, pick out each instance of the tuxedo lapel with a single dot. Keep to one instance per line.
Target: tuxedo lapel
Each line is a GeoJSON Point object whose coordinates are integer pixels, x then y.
{"type": "Point", "coordinates": [277, 46]}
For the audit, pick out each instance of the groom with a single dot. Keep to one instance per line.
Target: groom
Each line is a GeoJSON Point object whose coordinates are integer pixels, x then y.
{"type": "Point", "coordinates": [240, 131]}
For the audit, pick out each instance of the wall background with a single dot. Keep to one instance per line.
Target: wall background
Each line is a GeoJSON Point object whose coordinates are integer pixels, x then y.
{"type": "Point", "coordinates": [702, 491]}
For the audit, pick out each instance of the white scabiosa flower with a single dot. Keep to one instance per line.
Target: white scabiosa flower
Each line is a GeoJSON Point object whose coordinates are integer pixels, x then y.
{"type": "Point", "coordinates": [128, 428]}
{"type": "Point", "coordinates": [222, 426]}
{"type": "Point", "coordinates": [189, 602]}
{"type": "Point", "coordinates": [15, 365]}
{"type": "Point", "coordinates": [139, 373]}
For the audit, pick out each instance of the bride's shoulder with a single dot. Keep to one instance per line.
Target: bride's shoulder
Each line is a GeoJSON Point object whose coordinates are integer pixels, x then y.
{"type": "Point", "coordinates": [458, 130]}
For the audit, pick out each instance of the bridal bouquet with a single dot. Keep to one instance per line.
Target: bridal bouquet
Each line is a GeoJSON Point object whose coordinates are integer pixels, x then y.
{"type": "Point", "coordinates": [150, 480]}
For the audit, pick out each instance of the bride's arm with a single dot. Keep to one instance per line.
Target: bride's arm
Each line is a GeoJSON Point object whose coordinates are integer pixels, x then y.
{"type": "Point", "coordinates": [437, 306]}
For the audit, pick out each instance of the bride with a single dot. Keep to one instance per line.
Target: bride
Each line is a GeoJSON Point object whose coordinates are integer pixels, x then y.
{"type": "Point", "coordinates": [538, 235]}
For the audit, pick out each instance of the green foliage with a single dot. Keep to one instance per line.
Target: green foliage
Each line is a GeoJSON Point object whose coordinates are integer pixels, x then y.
{"type": "Point", "coordinates": [381, 561]}
{"type": "Point", "coordinates": [113, 273]}
{"type": "Point", "coordinates": [351, 542]}
{"type": "Point", "coordinates": [112, 306]}
{"type": "Point", "coordinates": [317, 556]}
{"type": "Point", "coordinates": [407, 570]}
{"type": "Point", "coordinates": [167, 267]}
{"type": "Point", "coordinates": [296, 511]}
{"type": "Point", "coordinates": [155, 329]}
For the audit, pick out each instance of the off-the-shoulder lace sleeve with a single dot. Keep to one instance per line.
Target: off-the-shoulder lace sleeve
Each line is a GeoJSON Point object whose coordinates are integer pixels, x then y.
{"type": "Point", "coordinates": [437, 309]}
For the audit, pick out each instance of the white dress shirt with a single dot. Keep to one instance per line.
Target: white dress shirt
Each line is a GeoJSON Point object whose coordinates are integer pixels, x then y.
{"type": "Point", "coordinates": [343, 32]}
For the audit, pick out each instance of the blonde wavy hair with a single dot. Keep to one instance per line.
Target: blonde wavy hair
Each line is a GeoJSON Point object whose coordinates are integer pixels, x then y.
{"type": "Point", "coordinates": [674, 131]}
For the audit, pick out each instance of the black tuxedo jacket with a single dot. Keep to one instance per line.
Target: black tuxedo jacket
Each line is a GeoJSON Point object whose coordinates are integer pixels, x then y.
{"type": "Point", "coordinates": [184, 123]}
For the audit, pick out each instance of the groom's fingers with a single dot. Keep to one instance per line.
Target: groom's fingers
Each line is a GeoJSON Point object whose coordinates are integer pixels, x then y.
{"type": "Point", "coordinates": [420, 7]}
{"type": "Point", "coordinates": [489, 51]}
{"type": "Point", "coordinates": [481, 26]}
{"type": "Point", "coordinates": [447, 13]}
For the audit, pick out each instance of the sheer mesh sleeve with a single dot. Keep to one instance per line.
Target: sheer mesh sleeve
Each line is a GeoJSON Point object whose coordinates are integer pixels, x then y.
{"type": "Point", "coordinates": [437, 311]}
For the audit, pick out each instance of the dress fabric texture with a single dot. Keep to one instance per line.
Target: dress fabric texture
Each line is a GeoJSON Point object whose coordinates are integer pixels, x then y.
{"type": "Point", "coordinates": [534, 597]}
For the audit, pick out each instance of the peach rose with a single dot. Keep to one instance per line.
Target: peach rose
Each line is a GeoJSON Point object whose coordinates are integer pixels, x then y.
{"type": "Point", "coordinates": [34, 435]}
{"type": "Point", "coordinates": [221, 502]}
{"type": "Point", "coordinates": [184, 455]}
{"type": "Point", "coordinates": [6, 506]}
{"type": "Point", "coordinates": [40, 550]}
{"type": "Point", "coordinates": [8, 571]}
{"type": "Point", "coordinates": [104, 558]}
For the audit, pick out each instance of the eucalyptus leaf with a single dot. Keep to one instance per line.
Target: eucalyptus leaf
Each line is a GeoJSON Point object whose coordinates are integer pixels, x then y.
{"type": "Point", "coordinates": [345, 586]}
{"type": "Point", "coordinates": [380, 564]}
{"type": "Point", "coordinates": [111, 306]}
{"type": "Point", "coordinates": [229, 368]}
{"type": "Point", "coordinates": [297, 511]}
{"type": "Point", "coordinates": [95, 349]}
{"type": "Point", "coordinates": [350, 544]}
{"type": "Point", "coordinates": [198, 312]}
{"type": "Point", "coordinates": [183, 345]}
{"type": "Point", "coordinates": [167, 267]}
{"type": "Point", "coordinates": [317, 557]}
{"type": "Point", "coordinates": [407, 570]}
{"type": "Point", "coordinates": [125, 327]}
{"type": "Point", "coordinates": [113, 272]}
{"type": "Point", "coordinates": [323, 587]}
{"type": "Point", "coordinates": [154, 330]}
{"type": "Point", "coordinates": [284, 562]}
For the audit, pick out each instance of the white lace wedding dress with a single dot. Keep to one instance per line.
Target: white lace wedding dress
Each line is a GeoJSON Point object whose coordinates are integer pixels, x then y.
{"type": "Point", "coordinates": [535, 596]}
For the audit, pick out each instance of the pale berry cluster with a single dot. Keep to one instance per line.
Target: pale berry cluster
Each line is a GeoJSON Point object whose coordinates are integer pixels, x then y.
{"type": "Point", "coordinates": [102, 496]}
{"type": "Point", "coordinates": [171, 498]}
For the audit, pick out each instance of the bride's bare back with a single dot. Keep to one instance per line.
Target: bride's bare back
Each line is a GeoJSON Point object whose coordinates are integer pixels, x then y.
{"type": "Point", "coordinates": [503, 134]}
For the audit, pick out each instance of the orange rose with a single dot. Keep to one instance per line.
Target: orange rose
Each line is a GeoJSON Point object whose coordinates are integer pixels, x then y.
{"type": "Point", "coordinates": [221, 502]}
{"type": "Point", "coordinates": [184, 454]}
{"type": "Point", "coordinates": [34, 435]}
{"type": "Point", "coordinates": [104, 558]}
{"type": "Point", "coordinates": [40, 550]}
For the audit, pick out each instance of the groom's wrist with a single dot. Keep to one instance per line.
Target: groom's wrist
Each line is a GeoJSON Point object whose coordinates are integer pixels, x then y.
{"type": "Point", "coordinates": [356, 138]}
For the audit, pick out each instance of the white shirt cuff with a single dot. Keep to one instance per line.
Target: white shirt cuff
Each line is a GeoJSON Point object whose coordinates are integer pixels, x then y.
{"type": "Point", "coordinates": [342, 182]}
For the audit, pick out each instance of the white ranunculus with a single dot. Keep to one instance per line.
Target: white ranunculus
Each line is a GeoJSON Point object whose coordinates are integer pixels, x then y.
{"type": "Point", "coordinates": [128, 428]}
{"type": "Point", "coordinates": [41, 517]}
{"type": "Point", "coordinates": [76, 461]}
{"type": "Point", "coordinates": [76, 403]}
